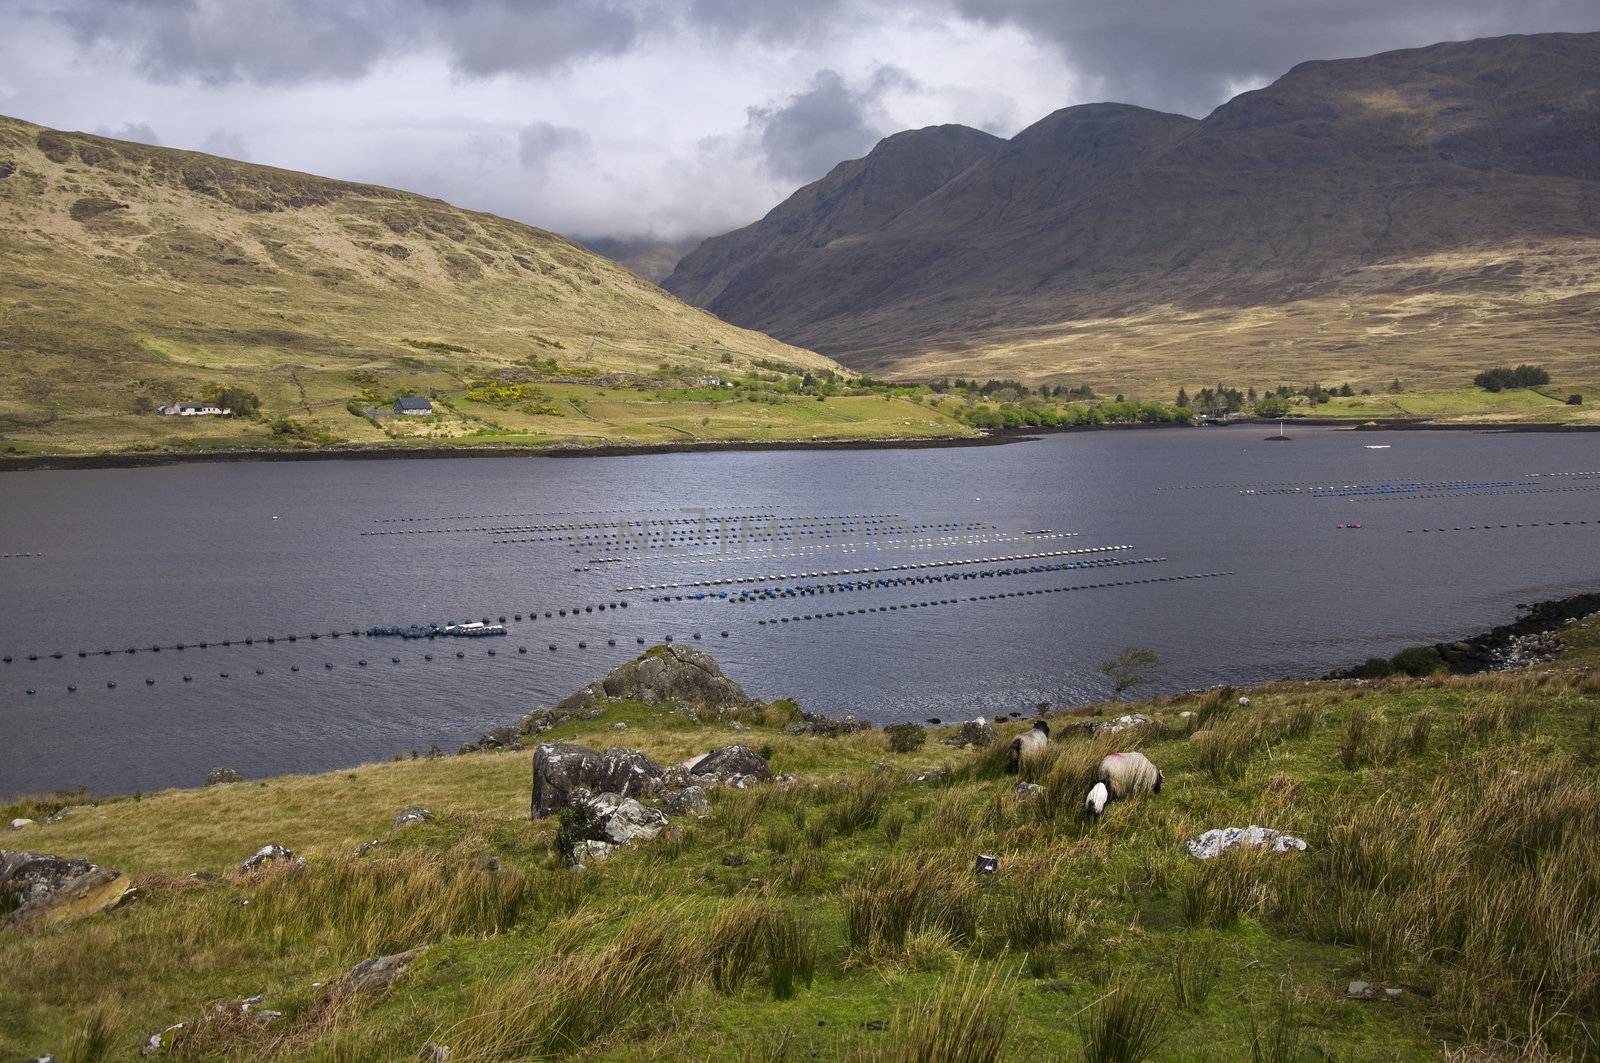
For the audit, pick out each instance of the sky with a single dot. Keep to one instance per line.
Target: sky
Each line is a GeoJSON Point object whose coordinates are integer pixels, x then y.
{"type": "Point", "coordinates": [660, 119]}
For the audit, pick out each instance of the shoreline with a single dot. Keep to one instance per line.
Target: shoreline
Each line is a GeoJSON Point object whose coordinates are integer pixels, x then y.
{"type": "Point", "coordinates": [1001, 437]}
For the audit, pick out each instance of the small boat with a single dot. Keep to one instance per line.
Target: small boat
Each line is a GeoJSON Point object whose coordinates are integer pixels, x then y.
{"type": "Point", "coordinates": [1377, 446]}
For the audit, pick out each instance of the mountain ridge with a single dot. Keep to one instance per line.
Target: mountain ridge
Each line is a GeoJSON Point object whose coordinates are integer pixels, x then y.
{"type": "Point", "coordinates": [1104, 231]}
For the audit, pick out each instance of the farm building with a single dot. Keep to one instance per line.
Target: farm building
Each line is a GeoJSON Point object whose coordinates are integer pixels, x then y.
{"type": "Point", "coordinates": [413, 405]}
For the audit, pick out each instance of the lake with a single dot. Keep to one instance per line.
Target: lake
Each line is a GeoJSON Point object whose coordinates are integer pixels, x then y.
{"type": "Point", "coordinates": [120, 559]}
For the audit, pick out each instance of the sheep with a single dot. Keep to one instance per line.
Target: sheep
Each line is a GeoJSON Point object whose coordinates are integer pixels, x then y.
{"type": "Point", "coordinates": [1029, 743]}
{"type": "Point", "coordinates": [1121, 775]}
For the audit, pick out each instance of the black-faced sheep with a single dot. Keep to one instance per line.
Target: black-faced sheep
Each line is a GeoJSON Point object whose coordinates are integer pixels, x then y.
{"type": "Point", "coordinates": [1029, 743]}
{"type": "Point", "coordinates": [1121, 775]}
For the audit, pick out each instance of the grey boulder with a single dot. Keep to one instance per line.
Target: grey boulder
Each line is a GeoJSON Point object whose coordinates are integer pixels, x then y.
{"type": "Point", "coordinates": [667, 673]}
{"type": "Point", "coordinates": [730, 764]}
{"type": "Point", "coordinates": [559, 768]}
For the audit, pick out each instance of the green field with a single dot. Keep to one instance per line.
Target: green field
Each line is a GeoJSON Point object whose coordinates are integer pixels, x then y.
{"type": "Point", "coordinates": [1451, 825]}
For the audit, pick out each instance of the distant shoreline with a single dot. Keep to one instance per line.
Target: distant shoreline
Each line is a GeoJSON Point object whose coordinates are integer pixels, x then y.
{"type": "Point", "coordinates": [1002, 437]}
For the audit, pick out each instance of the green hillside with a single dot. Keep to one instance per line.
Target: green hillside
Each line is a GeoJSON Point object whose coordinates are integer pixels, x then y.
{"type": "Point", "coordinates": [1451, 826]}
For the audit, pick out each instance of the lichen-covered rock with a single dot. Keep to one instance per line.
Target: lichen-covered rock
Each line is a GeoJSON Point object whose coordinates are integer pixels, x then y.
{"type": "Point", "coordinates": [1027, 791]}
{"type": "Point", "coordinates": [730, 763]}
{"type": "Point", "coordinates": [689, 801]}
{"type": "Point", "coordinates": [623, 819]}
{"type": "Point", "coordinates": [21, 824]}
{"type": "Point", "coordinates": [378, 973]}
{"type": "Point", "coordinates": [51, 890]}
{"type": "Point", "coordinates": [1121, 723]}
{"type": "Point", "coordinates": [221, 776]}
{"type": "Point", "coordinates": [819, 726]}
{"type": "Point", "coordinates": [559, 768]}
{"type": "Point", "coordinates": [267, 854]}
{"type": "Point", "coordinates": [1221, 839]}
{"type": "Point", "coordinates": [669, 673]}
{"type": "Point", "coordinates": [412, 814]}
{"type": "Point", "coordinates": [979, 732]}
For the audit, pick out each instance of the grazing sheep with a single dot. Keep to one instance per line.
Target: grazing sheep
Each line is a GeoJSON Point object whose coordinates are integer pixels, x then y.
{"type": "Point", "coordinates": [1121, 775]}
{"type": "Point", "coordinates": [1029, 743]}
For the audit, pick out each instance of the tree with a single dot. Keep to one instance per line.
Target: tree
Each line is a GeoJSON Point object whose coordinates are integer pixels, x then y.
{"type": "Point", "coordinates": [1395, 388]}
{"type": "Point", "coordinates": [1134, 667]}
{"type": "Point", "coordinates": [1183, 397]}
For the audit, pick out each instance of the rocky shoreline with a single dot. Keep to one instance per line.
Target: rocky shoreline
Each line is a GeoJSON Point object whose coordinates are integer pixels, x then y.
{"type": "Point", "coordinates": [1529, 639]}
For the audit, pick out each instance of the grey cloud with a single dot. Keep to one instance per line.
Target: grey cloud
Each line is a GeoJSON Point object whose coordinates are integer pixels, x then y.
{"type": "Point", "coordinates": [1188, 56]}
{"type": "Point", "coordinates": [781, 20]}
{"type": "Point", "coordinates": [814, 130]}
{"type": "Point", "coordinates": [226, 143]}
{"type": "Point", "coordinates": [292, 41]}
{"type": "Point", "coordinates": [539, 141]}
{"type": "Point", "coordinates": [138, 132]}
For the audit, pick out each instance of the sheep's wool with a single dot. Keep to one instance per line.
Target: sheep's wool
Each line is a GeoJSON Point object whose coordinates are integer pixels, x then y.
{"type": "Point", "coordinates": [1028, 744]}
{"type": "Point", "coordinates": [1096, 802]}
{"type": "Point", "coordinates": [1128, 773]}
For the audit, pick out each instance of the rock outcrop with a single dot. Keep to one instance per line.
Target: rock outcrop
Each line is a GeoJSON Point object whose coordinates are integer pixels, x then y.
{"type": "Point", "coordinates": [47, 890]}
{"type": "Point", "coordinates": [562, 768]}
{"type": "Point", "coordinates": [736, 765]}
{"type": "Point", "coordinates": [665, 673]}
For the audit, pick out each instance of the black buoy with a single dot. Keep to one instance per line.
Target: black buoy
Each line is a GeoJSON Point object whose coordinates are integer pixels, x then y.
{"type": "Point", "coordinates": [188, 679]}
{"type": "Point", "coordinates": [80, 654]}
{"type": "Point", "coordinates": [111, 686]}
{"type": "Point", "coordinates": [71, 689]}
{"type": "Point", "coordinates": [427, 656]}
{"type": "Point", "coordinates": [611, 642]}
{"type": "Point", "coordinates": [491, 653]}
{"type": "Point", "coordinates": [294, 668]}
{"type": "Point", "coordinates": [30, 690]}
{"type": "Point", "coordinates": [459, 655]}
{"type": "Point", "coordinates": [552, 647]}
{"type": "Point", "coordinates": [222, 675]}
{"type": "Point", "coordinates": [362, 663]}
{"type": "Point", "coordinates": [640, 640]}
{"type": "Point", "coordinates": [149, 682]}
{"type": "Point", "coordinates": [328, 665]}
{"type": "Point", "coordinates": [394, 660]}
{"type": "Point", "coordinates": [260, 672]}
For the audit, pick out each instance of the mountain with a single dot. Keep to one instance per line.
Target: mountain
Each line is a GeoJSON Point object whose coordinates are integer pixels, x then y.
{"type": "Point", "coordinates": [651, 258]}
{"type": "Point", "coordinates": [1409, 214]}
{"type": "Point", "coordinates": [131, 273]}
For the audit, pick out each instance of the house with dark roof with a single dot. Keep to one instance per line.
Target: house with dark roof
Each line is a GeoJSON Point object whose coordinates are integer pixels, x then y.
{"type": "Point", "coordinates": [413, 405]}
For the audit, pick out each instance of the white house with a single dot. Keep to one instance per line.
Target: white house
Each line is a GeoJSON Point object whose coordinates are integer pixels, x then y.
{"type": "Point", "coordinates": [413, 406]}
{"type": "Point", "coordinates": [194, 409]}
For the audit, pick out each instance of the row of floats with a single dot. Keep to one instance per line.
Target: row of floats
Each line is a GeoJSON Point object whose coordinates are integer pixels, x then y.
{"type": "Point", "coordinates": [767, 594]}
{"type": "Point", "coordinates": [462, 629]}
{"type": "Point", "coordinates": [872, 570]}
{"type": "Point", "coordinates": [903, 606]}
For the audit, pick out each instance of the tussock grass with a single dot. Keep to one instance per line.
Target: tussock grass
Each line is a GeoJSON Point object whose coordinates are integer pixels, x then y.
{"type": "Point", "coordinates": [965, 1020]}
{"type": "Point", "coordinates": [905, 894]}
{"type": "Point", "coordinates": [1194, 969]}
{"type": "Point", "coordinates": [1128, 1026]}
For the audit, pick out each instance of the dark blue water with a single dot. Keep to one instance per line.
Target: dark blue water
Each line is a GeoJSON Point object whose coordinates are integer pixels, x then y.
{"type": "Point", "coordinates": [142, 557]}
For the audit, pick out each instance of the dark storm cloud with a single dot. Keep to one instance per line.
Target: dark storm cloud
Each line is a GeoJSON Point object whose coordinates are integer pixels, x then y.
{"type": "Point", "coordinates": [291, 41]}
{"type": "Point", "coordinates": [812, 131]}
{"type": "Point", "coordinates": [1187, 56]}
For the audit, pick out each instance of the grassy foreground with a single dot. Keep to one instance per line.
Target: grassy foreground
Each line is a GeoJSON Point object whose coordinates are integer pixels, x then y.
{"type": "Point", "coordinates": [1454, 854]}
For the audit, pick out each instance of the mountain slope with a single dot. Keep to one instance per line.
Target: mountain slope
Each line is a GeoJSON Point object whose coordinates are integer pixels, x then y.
{"type": "Point", "coordinates": [135, 274]}
{"type": "Point", "coordinates": [1403, 214]}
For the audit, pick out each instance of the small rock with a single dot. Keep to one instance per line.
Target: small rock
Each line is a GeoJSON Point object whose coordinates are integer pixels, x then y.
{"type": "Point", "coordinates": [266, 1017]}
{"type": "Point", "coordinates": [734, 859]}
{"type": "Point", "coordinates": [1221, 839]}
{"type": "Point", "coordinates": [1121, 723]}
{"type": "Point", "coordinates": [689, 801]}
{"type": "Point", "coordinates": [162, 1040]}
{"type": "Point", "coordinates": [379, 972]}
{"type": "Point", "coordinates": [986, 864]}
{"type": "Point", "coordinates": [560, 768]}
{"type": "Point", "coordinates": [590, 851]}
{"type": "Point", "coordinates": [625, 820]}
{"type": "Point", "coordinates": [728, 764]}
{"type": "Point", "coordinates": [19, 824]}
{"type": "Point", "coordinates": [412, 814]}
{"type": "Point", "coordinates": [432, 1053]}
{"type": "Point", "coordinates": [1027, 791]}
{"type": "Point", "coordinates": [487, 863]}
{"type": "Point", "coordinates": [267, 854]}
{"type": "Point", "coordinates": [363, 849]}
{"type": "Point", "coordinates": [875, 1024]}
{"type": "Point", "coordinates": [202, 876]}
{"type": "Point", "coordinates": [979, 732]}
{"type": "Point", "coordinates": [619, 726]}
{"type": "Point", "coordinates": [219, 776]}
{"type": "Point", "coordinates": [1361, 990]}
{"type": "Point", "coordinates": [1392, 993]}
